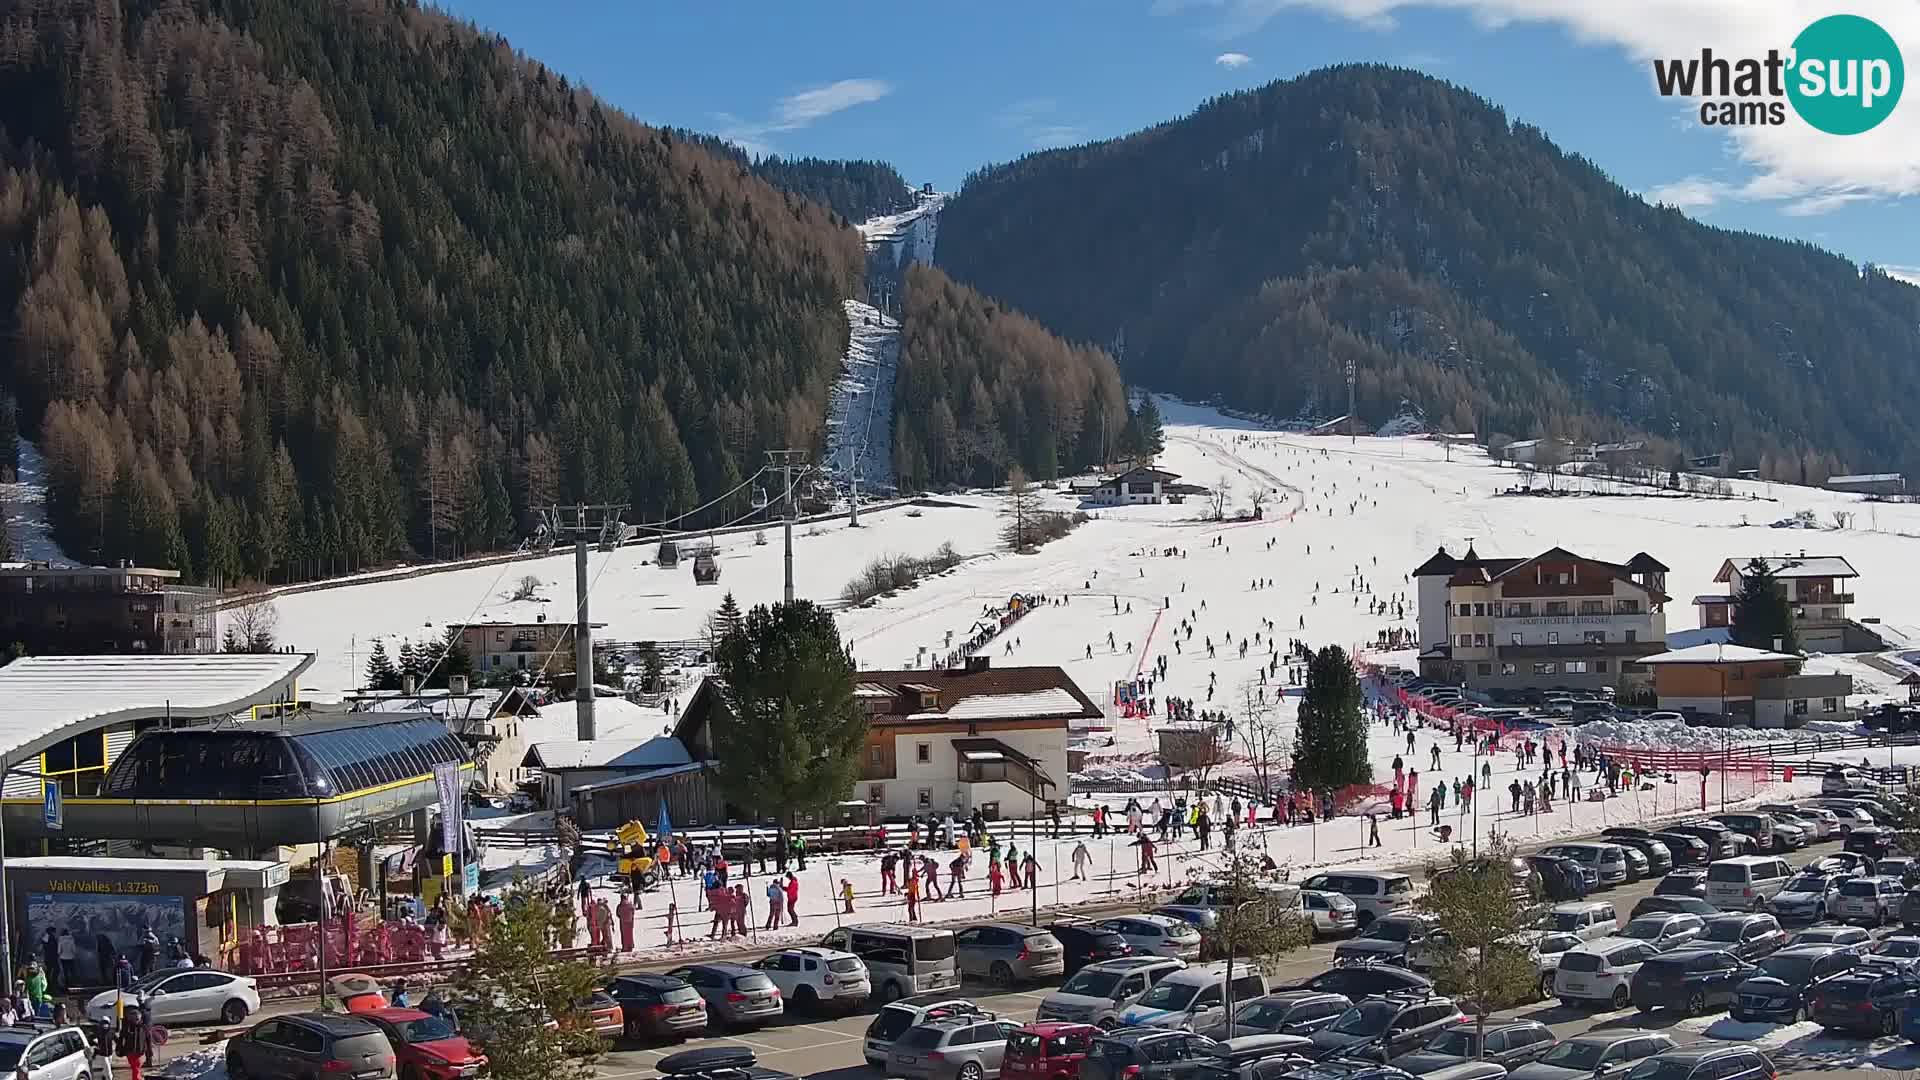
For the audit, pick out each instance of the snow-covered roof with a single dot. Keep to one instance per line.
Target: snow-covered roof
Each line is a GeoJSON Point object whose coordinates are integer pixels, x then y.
{"type": "Point", "coordinates": [1866, 478]}
{"type": "Point", "coordinates": [1715, 654]}
{"type": "Point", "coordinates": [613, 718]}
{"type": "Point", "coordinates": [607, 754]}
{"type": "Point", "coordinates": [1713, 598]}
{"type": "Point", "coordinates": [1055, 702]}
{"type": "Point", "coordinates": [49, 698]}
{"type": "Point", "coordinates": [640, 777]}
{"type": "Point", "coordinates": [1791, 566]}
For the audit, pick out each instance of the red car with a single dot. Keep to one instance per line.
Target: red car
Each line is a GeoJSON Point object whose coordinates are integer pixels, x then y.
{"type": "Point", "coordinates": [427, 1047]}
{"type": "Point", "coordinates": [1045, 1050]}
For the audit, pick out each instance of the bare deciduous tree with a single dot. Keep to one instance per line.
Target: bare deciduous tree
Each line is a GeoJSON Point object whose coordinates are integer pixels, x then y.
{"type": "Point", "coordinates": [1217, 498]}
{"type": "Point", "coordinates": [251, 627]}
{"type": "Point", "coordinates": [527, 588]}
{"type": "Point", "coordinates": [1261, 735]}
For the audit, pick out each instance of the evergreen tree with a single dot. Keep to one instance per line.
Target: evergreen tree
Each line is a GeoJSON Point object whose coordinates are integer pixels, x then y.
{"type": "Point", "coordinates": [454, 659]}
{"type": "Point", "coordinates": [6, 533]}
{"type": "Point", "coordinates": [381, 674]}
{"type": "Point", "coordinates": [9, 437]}
{"type": "Point", "coordinates": [410, 664]}
{"type": "Point", "coordinates": [1145, 435]}
{"type": "Point", "coordinates": [1330, 742]}
{"type": "Point", "coordinates": [725, 620]}
{"type": "Point", "coordinates": [786, 712]}
{"type": "Point", "coordinates": [1762, 614]}
{"type": "Point", "coordinates": [652, 667]}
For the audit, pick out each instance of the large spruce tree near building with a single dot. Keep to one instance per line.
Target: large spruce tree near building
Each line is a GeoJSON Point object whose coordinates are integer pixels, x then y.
{"type": "Point", "coordinates": [785, 712]}
{"type": "Point", "coordinates": [1762, 614]}
{"type": "Point", "coordinates": [1330, 743]}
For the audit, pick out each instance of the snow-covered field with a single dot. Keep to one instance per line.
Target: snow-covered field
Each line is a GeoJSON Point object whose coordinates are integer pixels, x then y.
{"type": "Point", "coordinates": [25, 504]}
{"type": "Point", "coordinates": [860, 410]}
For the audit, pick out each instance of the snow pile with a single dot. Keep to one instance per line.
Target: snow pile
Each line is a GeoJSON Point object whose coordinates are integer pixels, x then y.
{"type": "Point", "coordinates": [1759, 1033]}
{"type": "Point", "coordinates": [208, 1063]}
{"type": "Point", "coordinates": [1674, 735]}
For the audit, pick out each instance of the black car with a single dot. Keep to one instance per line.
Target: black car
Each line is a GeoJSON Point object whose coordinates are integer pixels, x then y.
{"type": "Point", "coordinates": [658, 1006]}
{"type": "Point", "coordinates": [1748, 937]}
{"type": "Point", "coordinates": [1687, 850]}
{"type": "Point", "coordinates": [1870, 840]}
{"type": "Point", "coordinates": [1718, 838]}
{"type": "Point", "coordinates": [1560, 877]}
{"type": "Point", "coordinates": [1383, 1028]}
{"type": "Point", "coordinates": [1511, 1043]}
{"type": "Point", "coordinates": [1869, 998]}
{"type": "Point", "coordinates": [1706, 1063]}
{"type": "Point", "coordinates": [1289, 1012]}
{"type": "Point", "coordinates": [1778, 989]}
{"type": "Point", "coordinates": [1358, 981]}
{"type": "Point", "coordinates": [1594, 1055]}
{"type": "Point", "coordinates": [1694, 980]}
{"type": "Point", "coordinates": [310, 1044]}
{"type": "Point", "coordinates": [1391, 939]}
{"type": "Point", "coordinates": [1691, 905]}
{"type": "Point", "coordinates": [1659, 859]}
{"type": "Point", "coordinates": [1682, 883]}
{"type": "Point", "coordinates": [1088, 943]}
{"type": "Point", "coordinates": [1146, 1053]}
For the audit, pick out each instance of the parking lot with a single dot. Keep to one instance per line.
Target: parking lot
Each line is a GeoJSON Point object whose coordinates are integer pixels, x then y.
{"type": "Point", "coordinates": [830, 1047]}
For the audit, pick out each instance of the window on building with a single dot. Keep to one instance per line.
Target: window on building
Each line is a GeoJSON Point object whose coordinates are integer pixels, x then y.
{"type": "Point", "coordinates": [1520, 611]}
{"type": "Point", "coordinates": [1628, 667]}
{"type": "Point", "coordinates": [874, 756]}
{"type": "Point", "coordinates": [1465, 610]}
{"type": "Point", "coordinates": [1486, 669]}
{"type": "Point", "coordinates": [1593, 607]}
{"type": "Point", "coordinates": [876, 793]}
{"type": "Point", "coordinates": [925, 798]}
{"type": "Point", "coordinates": [1479, 641]}
{"type": "Point", "coordinates": [1799, 706]}
{"type": "Point", "coordinates": [1626, 607]}
{"type": "Point", "coordinates": [1515, 637]}
{"type": "Point", "coordinates": [1556, 607]}
{"type": "Point", "coordinates": [1465, 640]}
{"type": "Point", "coordinates": [1479, 610]}
{"type": "Point", "coordinates": [1594, 637]}
{"type": "Point", "coordinates": [1630, 636]}
{"type": "Point", "coordinates": [1508, 669]}
{"type": "Point", "coordinates": [922, 753]}
{"type": "Point", "coordinates": [1599, 667]}
{"type": "Point", "coordinates": [1576, 667]}
{"type": "Point", "coordinates": [1553, 637]}
{"type": "Point", "coordinates": [1546, 667]}
{"type": "Point", "coordinates": [1830, 705]}
{"type": "Point", "coordinates": [1829, 612]}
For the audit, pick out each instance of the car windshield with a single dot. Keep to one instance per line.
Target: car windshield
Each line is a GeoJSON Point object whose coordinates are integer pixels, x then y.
{"type": "Point", "coordinates": [1575, 1054]}
{"type": "Point", "coordinates": [1646, 929]}
{"type": "Point", "coordinates": [1390, 930]}
{"type": "Point", "coordinates": [1092, 983]}
{"type": "Point", "coordinates": [1728, 930]}
{"type": "Point", "coordinates": [937, 947]}
{"type": "Point", "coordinates": [680, 995]}
{"type": "Point", "coordinates": [1858, 887]}
{"type": "Point", "coordinates": [1455, 1042]}
{"type": "Point", "coordinates": [1806, 883]}
{"type": "Point", "coordinates": [1725, 872]}
{"type": "Point", "coordinates": [1368, 1018]}
{"type": "Point", "coordinates": [146, 985]}
{"type": "Point", "coordinates": [1788, 969]}
{"type": "Point", "coordinates": [1262, 1014]}
{"type": "Point", "coordinates": [1569, 921]}
{"type": "Point", "coordinates": [426, 1029]}
{"type": "Point", "coordinates": [1900, 947]}
{"type": "Point", "coordinates": [1169, 995]}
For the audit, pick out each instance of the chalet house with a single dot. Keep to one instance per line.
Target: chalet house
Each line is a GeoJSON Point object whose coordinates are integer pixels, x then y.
{"type": "Point", "coordinates": [1891, 483]}
{"type": "Point", "coordinates": [1819, 588]}
{"type": "Point", "coordinates": [517, 646]}
{"type": "Point", "coordinates": [1746, 686]}
{"type": "Point", "coordinates": [1138, 486]}
{"type": "Point", "coordinates": [1555, 619]}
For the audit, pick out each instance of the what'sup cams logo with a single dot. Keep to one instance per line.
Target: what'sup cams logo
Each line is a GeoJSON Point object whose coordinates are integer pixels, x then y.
{"type": "Point", "coordinates": [1843, 75]}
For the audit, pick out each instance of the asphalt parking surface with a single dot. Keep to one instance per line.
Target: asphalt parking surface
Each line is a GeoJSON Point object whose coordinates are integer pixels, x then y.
{"type": "Point", "coordinates": [829, 1048]}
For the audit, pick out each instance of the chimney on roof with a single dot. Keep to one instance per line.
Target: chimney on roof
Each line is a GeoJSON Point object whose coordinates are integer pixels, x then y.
{"type": "Point", "coordinates": [456, 685]}
{"type": "Point", "coordinates": [406, 684]}
{"type": "Point", "coordinates": [978, 663]}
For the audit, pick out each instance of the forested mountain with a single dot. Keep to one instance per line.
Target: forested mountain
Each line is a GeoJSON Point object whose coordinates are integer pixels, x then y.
{"type": "Point", "coordinates": [856, 190]}
{"type": "Point", "coordinates": [1459, 260]}
{"type": "Point", "coordinates": [981, 388]}
{"type": "Point", "coordinates": [289, 288]}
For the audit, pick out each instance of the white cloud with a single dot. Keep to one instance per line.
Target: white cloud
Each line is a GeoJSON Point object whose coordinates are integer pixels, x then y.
{"type": "Point", "coordinates": [1691, 193]}
{"type": "Point", "coordinates": [802, 109]}
{"type": "Point", "coordinates": [1231, 60]}
{"type": "Point", "coordinates": [1910, 274]}
{"type": "Point", "coordinates": [1037, 121]}
{"type": "Point", "coordinates": [1815, 205]}
{"type": "Point", "coordinates": [1789, 162]}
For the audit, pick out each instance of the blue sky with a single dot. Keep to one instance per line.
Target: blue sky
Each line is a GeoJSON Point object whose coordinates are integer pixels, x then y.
{"type": "Point", "coordinates": [939, 90]}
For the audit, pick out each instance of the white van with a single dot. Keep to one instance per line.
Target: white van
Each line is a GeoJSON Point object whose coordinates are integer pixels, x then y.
{"type": "Point", "coordinates": [1601, 971]}
{"type": "Point", "coordinates": [1586, 919]}
{"type": "Point", "coordinates": [1746, 882]}
{"type": "Point", "coordinates": [1373, 892]}
{"type": "Point", "coordinates": [901, 960]}
{"type": "Point", "coordinates": [1194, 997]}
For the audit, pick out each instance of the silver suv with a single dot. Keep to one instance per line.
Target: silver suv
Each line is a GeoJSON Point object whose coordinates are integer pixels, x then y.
{"type": "Point", "coordinates": [1098, 993]}
{"type": "Point", "coordinates": [956, 1048]}
{"type": "Point", "coordinates": [45, 1052]}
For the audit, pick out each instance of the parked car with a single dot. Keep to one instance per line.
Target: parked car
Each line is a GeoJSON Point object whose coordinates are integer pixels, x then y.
{"type": "Point", "coordinates": [1848, 937]}
{"type": "Point", "coordinates": [603, 1014]}
{"type": "Point", "coordinates": [1758, 828]}
{"type": "Point", "coordinates": [1717, 837]}
{"type": "Point", "coordinates": [1746, 882]}
{"type": "Point", "coordinates": [1289, 1012]}
{"type": "Point", "coordinates": [192, 996]}
{"type": "Point", "coordinates": [1383, 1028]}
{"type": "Point", "coordinates": [1870, 840]}
{"type": "Point", "coordinates": [1690, 979]}
{"type": "Point", "coordinates": [1666, 930]}
{"type": "Point", "coordinates": [736, 995]}
{"type": "Point", "coordinates": [1609, 860]}
{"type": "Point", "coordinates": [1869, 998]}
{"type": "Point", "coordinates": [1088, 943]}
{"type": "Point", "coordinates": [1749, 937]}
{"type": "Point", "coordinates": [1780, 985]}
{"type": "Point", "coordinates": [1008, 953]}
{"type": "Point", "coordinates": [1805, 897]}
{"type": "Point", "coordinates": [1098, 993]}
{"type": "Point", "coordinates": [1509, 1043]}
{"type": "Point", "coordinates": [658, 1006]}
{"type": "Point", "coordinates": [1375, 893]}
{"type": "Point", "coordinates": [1601, 971]}
{"type": "Point", "coordinates": [1046, 1050]}
{"type": "Point", "coordinates": [1705, 1063]}
{"type": "Point", "coordinates": [1902, 868]}
{"type": "Point", "coordinates": [1910, 909]}
{"type": "Point", "coordinates": [1329, 913]}
{"type": "Point", "coordinates": [1843, 778]}
{"type": "Point", "coordinates": [1560, 879]}
{"type": "Point", "coordinates": [1587, 920]}
{"type": "Point", "coordinates": [1594, 1054]}
{"type": "Point", "coordinates": [1659, 857]}
{"type": "Point", "coordinates": [1392, 939]}
{"type": "Point", "coordinates": [1157, 935]}
{"type": "Point", "coordinates": [810, 978]}
{"type": "Point", "coordinates": [1868, 899]}
{"type": "Point", "coordinates": [1820, 824]}
{"type": "Point", "coordinates": [1898, 947]}
{"type": "Point", "coordinates": [1688, 850]}
{"type": "Point", "coordinates": [1692, 905]}
{"type": "Point", "coordinates": [951, 1048]}
{"type": "Point", "coordinates": [1548, 949]}
{"type": "Point", "coordinates": [426, 1047]}
{"type": "Point", "coordinates": [45, 1051]}
{"type": "Point", "coordinates": [1252, 1057]}
{"type": "Point", "coordinates": [896, 1018]}
{"type": "Point", "coordinates": [310, 1044]}
{"type": "Point", "coordinates": [1146, 1054]}
{"type": "Point", "coordinates": [1192, 997]}
{"type": "Point", "coordinates": [1683, 883]}
{"type": "Point", "coordinates": [1639, 867]}
{"type": "Point", "coordinates": [1365, 980]}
